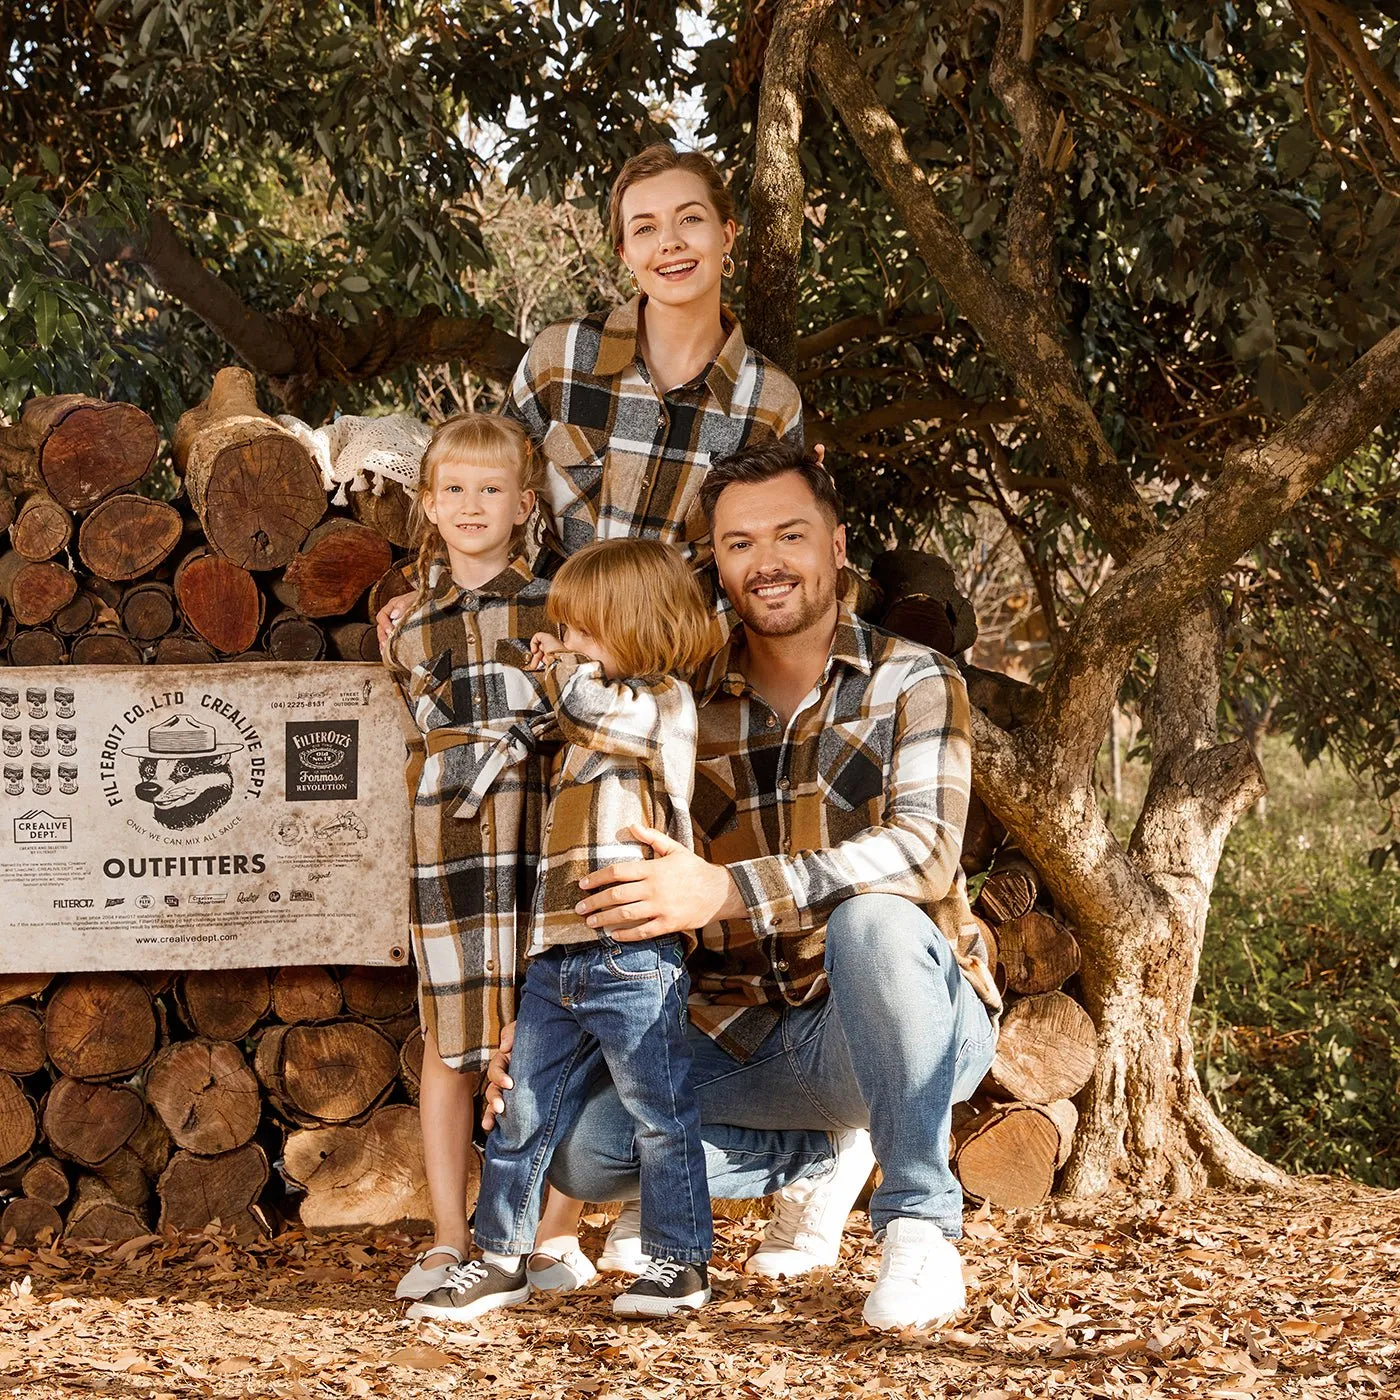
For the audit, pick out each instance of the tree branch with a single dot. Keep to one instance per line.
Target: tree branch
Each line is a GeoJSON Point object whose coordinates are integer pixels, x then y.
{"type": "Point", "coordinates": [871, 326]}
{"type": "Point", "coordinates": [777, 194]}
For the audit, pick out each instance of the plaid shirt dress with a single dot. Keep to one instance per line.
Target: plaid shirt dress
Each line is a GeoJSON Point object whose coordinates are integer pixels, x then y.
{"type": "Point", "coordinates": [477, 781]}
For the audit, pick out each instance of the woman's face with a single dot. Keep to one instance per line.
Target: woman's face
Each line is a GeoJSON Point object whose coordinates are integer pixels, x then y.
{"type": "Point", "coordinates": [672, 238]}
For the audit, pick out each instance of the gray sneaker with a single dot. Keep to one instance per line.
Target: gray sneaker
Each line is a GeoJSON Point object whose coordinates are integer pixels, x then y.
{"type": "Point", "coordinates": [473, 1289]}
{"type": "Point", "coordinates": [666, 1288]}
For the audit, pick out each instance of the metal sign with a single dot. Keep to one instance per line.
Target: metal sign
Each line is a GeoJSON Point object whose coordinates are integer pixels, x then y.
{"type": "Point", "coordinates": [239, 815]}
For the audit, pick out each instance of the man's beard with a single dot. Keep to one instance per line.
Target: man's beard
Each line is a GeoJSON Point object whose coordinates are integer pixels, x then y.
{"type": "Point", "coordinates": [812, 606]}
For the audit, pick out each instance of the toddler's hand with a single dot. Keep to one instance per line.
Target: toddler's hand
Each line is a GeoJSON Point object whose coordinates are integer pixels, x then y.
{"type": "Point", "coordinates": [543, 645]}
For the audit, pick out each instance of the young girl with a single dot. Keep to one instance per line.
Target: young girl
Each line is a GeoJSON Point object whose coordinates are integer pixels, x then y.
{"type": "Point", "coordinates": [474, 863]}
{"type": "Point", "coordinates": [633, 616]}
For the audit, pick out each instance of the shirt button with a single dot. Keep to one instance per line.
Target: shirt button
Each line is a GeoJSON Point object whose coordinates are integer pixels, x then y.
{"type": "Point", "coordinates": [771, 722]}
{"type": "Point", "coordinates": [781, 965]}
{"type": "Point", "coordinates": [485, 828]}
{"type": "Point", "coordinates": [490, 896]}
{"type": "Point", "coordinates": [784, 784]}
{"type": "Point", "coordinates": [490, 966]}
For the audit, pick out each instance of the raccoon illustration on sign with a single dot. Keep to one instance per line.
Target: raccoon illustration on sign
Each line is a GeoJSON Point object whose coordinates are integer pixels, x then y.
{"type": "Point", "coordinates": [184, 771]}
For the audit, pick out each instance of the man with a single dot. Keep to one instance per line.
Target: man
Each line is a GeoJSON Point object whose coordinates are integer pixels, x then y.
{"type": "Point", "coordinates": [841, 982]}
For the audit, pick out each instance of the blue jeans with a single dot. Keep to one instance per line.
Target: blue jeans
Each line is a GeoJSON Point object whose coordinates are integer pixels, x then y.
{"type": "Point", "coordinates": [584, 1007]}
{"type": "Point", "coordinates": [901, 1038]}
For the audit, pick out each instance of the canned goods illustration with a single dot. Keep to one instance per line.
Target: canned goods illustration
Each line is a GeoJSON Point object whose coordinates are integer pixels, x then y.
{"type": "Point", "coordinates": [67, 740]}
{"type": "Point", "coordinates": [39, 774]}
{"type": "Point", "coordinates": [38, 740]}
{"type": "Point", "coordinates": [38, 702]}
{"type": "Point", "coordinates": [14, 780]}
{"type": "Point", "coordinates": [9, 703]}
{"type": "Point", "coordinates": [63, 700]}
{"type": "Point", "coordinates": [68, 778]}
{"type": "Point", "coordinates": [13, 739]}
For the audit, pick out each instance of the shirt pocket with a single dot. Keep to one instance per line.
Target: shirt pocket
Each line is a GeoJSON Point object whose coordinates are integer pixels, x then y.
{"type": "Point", "coordinates": [853, 758]}
{"type": "Point", "coordinates": [430, 692]}
{"type": "Point", "coordinates": [576, 457]}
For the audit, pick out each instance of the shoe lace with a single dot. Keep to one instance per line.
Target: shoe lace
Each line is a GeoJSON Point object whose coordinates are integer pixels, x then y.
{"type": "Point", "coordinates": [464, 1275]}
{"type": "Point", "coordinates": [904, 1262]}
{"type": "Point", "coordinates": [798, 1212]}
{"type": "Point", "coordinates": [662, 1272]}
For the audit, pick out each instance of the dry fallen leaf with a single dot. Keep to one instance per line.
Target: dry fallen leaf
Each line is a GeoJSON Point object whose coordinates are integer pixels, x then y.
{"type": "Point", "coordinates": [418, 1358]}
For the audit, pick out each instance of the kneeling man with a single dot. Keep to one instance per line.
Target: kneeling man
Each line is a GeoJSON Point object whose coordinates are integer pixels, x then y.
{"type": "Point", "coordinates": [841, 983]}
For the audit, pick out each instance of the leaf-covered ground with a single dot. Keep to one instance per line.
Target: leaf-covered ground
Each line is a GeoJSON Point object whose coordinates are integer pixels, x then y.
{"type": "Point", "coordinates": [1296, 1294]}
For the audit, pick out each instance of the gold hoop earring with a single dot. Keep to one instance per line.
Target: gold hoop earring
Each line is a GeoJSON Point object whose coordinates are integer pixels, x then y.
{"type": "Point", "coordinates": [727, 267]}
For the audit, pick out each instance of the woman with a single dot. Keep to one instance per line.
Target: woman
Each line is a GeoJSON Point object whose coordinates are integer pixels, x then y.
{"type": "Point", "coordinates": [629, 407]}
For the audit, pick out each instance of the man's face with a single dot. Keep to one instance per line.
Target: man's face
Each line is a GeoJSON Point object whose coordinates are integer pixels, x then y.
{"type": "Point", "coordinates": [778, 555]}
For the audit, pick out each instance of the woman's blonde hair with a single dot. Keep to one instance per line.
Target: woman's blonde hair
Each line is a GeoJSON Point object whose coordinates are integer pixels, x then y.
{"type": "Point", "coordinates": [484, 440]}
{"type": "Point", "coordinates": [640, 600]}
{"type": "Point", "coordinates": [658, 159]}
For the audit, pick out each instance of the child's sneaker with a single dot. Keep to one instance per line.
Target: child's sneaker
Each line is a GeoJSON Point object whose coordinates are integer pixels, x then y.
{"type": "Point", "coordinates": [473, 1289]}
{"type": "Point", "coordinates": [559, 1273]}
{"type": "Point", "coordinates": [623, 1249]}
{"type": "Point", "coordinates": [666, 1288]}
{"type": "Point", "coordinates": [419, 1281]}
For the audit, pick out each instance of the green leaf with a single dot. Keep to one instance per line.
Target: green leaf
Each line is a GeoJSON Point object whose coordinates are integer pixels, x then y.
{"type": "Point", "coordinates": [46, 312]}
{"type": "Point", "coordinates": [355, 284]}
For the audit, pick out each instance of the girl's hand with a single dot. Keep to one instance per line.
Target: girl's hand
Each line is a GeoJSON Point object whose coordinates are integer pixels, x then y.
{"type": "Point", "coordinates": [387, 618]}
{"type": "Point", "coordinates": [497, 1080]}
{"type": "Point", "coordinates": [543, 645]}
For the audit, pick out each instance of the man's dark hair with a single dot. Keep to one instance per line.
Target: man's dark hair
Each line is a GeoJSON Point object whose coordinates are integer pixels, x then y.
{"type": "Point", "coordinates": [762, 462]}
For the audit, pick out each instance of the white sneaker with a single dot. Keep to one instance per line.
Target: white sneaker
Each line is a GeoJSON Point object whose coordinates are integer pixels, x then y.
{"type": "Point", "coordinates": [805, 1230]}
{"type": "Point", "coordinates": [559, 1273]}
{"type": "Point", "coordinates": [419, 1281]}
{"type": "Point", "coordinates": [921, 1279]}
{"type": "Point", "coordinates": [623, 1250]}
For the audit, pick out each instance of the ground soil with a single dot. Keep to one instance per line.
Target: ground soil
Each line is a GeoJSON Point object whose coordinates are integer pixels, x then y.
{"type": "Point", "coordinates": [1289, 1294]}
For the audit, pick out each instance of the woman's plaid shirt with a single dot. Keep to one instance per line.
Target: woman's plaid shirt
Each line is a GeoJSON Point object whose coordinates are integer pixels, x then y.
{"type": "Point", "coordinates": [629, 761]}
{"type": "Point", "coordinates": [622, 459]}
{"type": "Point", "coordinates": [456, 657]}
{"type": "Point", "coordinates": [865, 791]}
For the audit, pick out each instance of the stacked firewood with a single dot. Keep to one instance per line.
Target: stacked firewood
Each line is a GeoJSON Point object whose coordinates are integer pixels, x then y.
{"type": "Point", "coordinates": [247, 563]}
{"type": "Point", "coordinates": [134, 1102]}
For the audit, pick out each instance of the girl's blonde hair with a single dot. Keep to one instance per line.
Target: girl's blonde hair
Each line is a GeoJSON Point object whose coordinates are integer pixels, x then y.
{"type": "Point", "coordinates": [659, 159]}
{"type": "Point", "coordinates": [484, 440]}
{"type": "Point", "coordinates": [639, 599]}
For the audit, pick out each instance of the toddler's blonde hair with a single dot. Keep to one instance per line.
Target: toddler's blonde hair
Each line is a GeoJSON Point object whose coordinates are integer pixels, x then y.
{"type": "Point", "coordinates": [640, 600]}
{"type": "Point", "coordinates": [484, 440]}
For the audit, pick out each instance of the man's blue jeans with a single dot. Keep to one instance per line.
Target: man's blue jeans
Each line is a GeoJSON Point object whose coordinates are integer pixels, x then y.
{"type": "Point", "coordinates": [901, 1038]}
{"type": "Point", "coordinates": [584, 1005]}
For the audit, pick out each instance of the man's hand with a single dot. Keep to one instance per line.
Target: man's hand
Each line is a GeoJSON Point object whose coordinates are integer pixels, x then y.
{"type": "Point", "coordinates": [675, 891]}
{"type": "Point", "coordinates": [387, 618]}
{"type": "Point", "coordinates": [497, 1080]}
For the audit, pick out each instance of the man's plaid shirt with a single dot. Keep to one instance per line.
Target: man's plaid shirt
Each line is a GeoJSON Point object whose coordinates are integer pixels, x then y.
{"type": "Point", "coordinates": [864, 792]}
{"type": "Point", "coordinates": [473, 865]}
{"type": "Point", "coordinates": [629, 760]}
{"type": "Point", "coordinates": [622, 459]}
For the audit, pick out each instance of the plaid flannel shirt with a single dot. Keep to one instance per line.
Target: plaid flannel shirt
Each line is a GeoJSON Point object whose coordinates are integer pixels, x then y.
{"type": "Point", "coordinates": [621, 458]}
{"type": "Point", "coordinates": [864, 791]}
{"type": "Point", "coordinates": [629, 761]}
{"type": "Point", "coordinates": [456, 658]}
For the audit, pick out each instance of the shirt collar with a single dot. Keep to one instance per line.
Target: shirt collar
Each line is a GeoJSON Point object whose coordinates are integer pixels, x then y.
{"type": "Point", "coordinates": [850, 645]}
{"type": "Point", "coordinates": [619, 349]}
{"type": "Point", "coordinates": [515, 577]}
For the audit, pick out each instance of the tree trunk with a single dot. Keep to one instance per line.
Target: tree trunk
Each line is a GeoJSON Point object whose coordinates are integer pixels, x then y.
{"type": "Point", "coordinates": [45, 1180]}
{"type": "Point", "coordinates": [16, 1121]}
{"type": "Point", "coordinates": [1008, 1153]}
{"type": "Point", "coordinates": [205, 1094]}
{"type": "Point", "coordinates": [304, 994]}
{"type": "Point", "coordinates": [78, 615]}
{"type": "Point", "coordinates": [1045, 1050]}
{"type": "Point", "coordinates": [387, 513]}
{"type": "Point", "coordinates": [329, 1073]}
{"type": "Point", "coordinates": [378, 993]}
{"type": "Point", "coordinates": [224, 1004]}
{"type": "Point", "coordinates": [356, 641]}
{"type": "Point", "coordinates": [181, 649]}
{"type": "Point", "coordinates": [195, 1191]}
{"type": "Point", "coordinates": [21, 1040]}
{"type": "Point", "coordinates": [104, 646]}
{"type": "Point", "coordinates": [31, 1221]}
{"type": "Point", "coordinates": [86, 1123]}
{"type": "Point", "coordinates": [35, 592]}
{"type": "Point", "coordinates": [97, 1214]}
{"type": "Point", "coordinates": [37, 646]}
{"type": "Point", "coordinates": [1037, 953]}
{"type": "Point", "coordinates": [291, 637]}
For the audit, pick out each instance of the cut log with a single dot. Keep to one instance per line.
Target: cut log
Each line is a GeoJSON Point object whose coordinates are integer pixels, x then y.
{"type": "Point", "coordinates": [304, 994]}
{"type": "Point", "coordinates": [35, 592]}
{"type": "Point", "coordinates": [921, 599]}
{"type": "Point", "coordinates": [355, 641]}
{"type": "Point", "coordinates": [390, 584]}
{"type": "Point", "coordinates": [104, 646]}
{"type": "Point", "coordinates": [221, 601]}
{"type": "Point", "coordinates": [8, 505]}
{"type": "Point", "coordinates": [100, 1025]}
{"type": "Point", "coordinates": [16, 986]}
{"type": "Point", "coordinates": [81, 450]}
{"type": "Point", "coordinates": [1009, 891]}
{"type": "Point", "coordinates": [45, 1180]}
{"type": "Point", "coordinates": [77, 616]}
{"type": "Point", "coordinates": [252, 484]}
{"type": "Point", "coordinates": [368, 1175]}
{"type": "Point", "coordinates": [411, 1064]}
{"type": "Point", "coordinates": [1008, 1155]}
{"type": "Point", "coordinates": [17, 1125]}
{"type": "Point", "coordinates": [196, 1191]}
{"type": "Point", "coordinates": [1066, 1118]}
{"type": "Point", "coordinates": [387, 513]}
{"type": "Point", "coordinates": [125, 1177]}
{"type": "Point", "coordinates": [41, 528]}
{"type": "Point", "coordinates": [1045, 1050]}
{"type": "Point", "coordinates": [1037, 953]}
{"type": "Point", "coordinates": [224, 1004]}
{"type": "Point", "coordinates": [21, 1040]}
{"type": "Point", "coordinates": [126, 536]}
{"type": "Point", "coordinates": [205, 1094]}
{"type": "Point", "coordinates": [378, 993]}
{"type": "Point", "coordinates": [183, 650]}
{"type": "Point", "coordinates": [151, 1143]}
{"type": "Point", "coordinates": [86, 1123]}
{"type": "Point", "coordinates": [983, 836]}
{"type": "Point", "coordinates": [148, 611]}
{"type": "Point", "coordinates": [340, 561]}
{"type": "Point", "coordinates": [31, 1222]}
{"type": "Point", "coordinates": [39, 646]}
{"type": "Point", "coordinates": [329, 1073]}
{"type": "Point", "coordinates": [98, 1215]}
{"type": "Point", "coordinates": [291, 637]}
